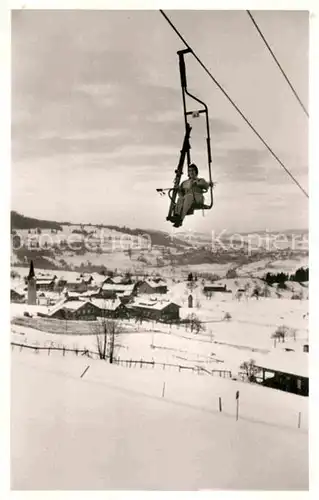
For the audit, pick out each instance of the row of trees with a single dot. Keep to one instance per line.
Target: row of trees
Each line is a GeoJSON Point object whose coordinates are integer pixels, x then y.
{"type": "Point", "coordinates": [301, 275]}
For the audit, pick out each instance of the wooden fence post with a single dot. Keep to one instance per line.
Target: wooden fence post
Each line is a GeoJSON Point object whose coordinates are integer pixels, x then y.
{"type": "Point", "coordinates": [299, 420]}
{"type": "Point", "coordinates": [163, 390]}
{"type": "Point", "coordinates": [86, 369]}
{"type": "Point", "coordinates": [237, 404]}
{"type": "Point", "coordinates": [220, 404]}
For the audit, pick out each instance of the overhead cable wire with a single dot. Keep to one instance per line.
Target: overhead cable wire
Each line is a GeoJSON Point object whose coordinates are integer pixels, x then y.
{"type": "Point", "coordinates": [234, 104]}
{"type": "Point", "coordinates": [277, 62]}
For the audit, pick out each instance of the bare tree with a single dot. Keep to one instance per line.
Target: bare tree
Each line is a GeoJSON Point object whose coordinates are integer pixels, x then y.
{"type": "Point", "coordinates": [256, 292]}
{"type": "Point", "coordinates": [265, 292]}
{"type": "Point", "coordinates": [194, 323]}
{"type": "Point", "coordinates": [276, 337]}
{"type": "Point", "coordinates": [208, 294]}
{"type": "Point", "coordinates": [105, 333]}
{"type": "Point", "coordinates": [198, 304]}
{"type": "Point", "coordinates": [227, 316]}
{"type": "Point", "coordinates": [283, 332]}
{"type": "Point", "coordinates": [14, 274]}
{"type": "Point", "coordinates": [293, 333]}
{"type": "Point", "coordinates": [239, 295]}
{"type": "Point", "coordinates": [250, 370]}
{"type": "Point", "coordinates": [280, 334]}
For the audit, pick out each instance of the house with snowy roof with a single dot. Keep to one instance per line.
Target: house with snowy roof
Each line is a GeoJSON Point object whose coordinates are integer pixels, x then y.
{"type": "Point", "coordinates": [215, 287]}
{"type": "Point", "coordinates": [110, 308]}
{"type": "Point", "coordinates": [75, 310]}
{"type": "Point", "coordinates": [285, 371]}
{"type": "Point", "coordinates": [118, 280]}
{"type": "Point", "coordinates": [79, 284]}
{"type": "Point", "coordinates": [45, 283]}
{"type": "Point", "coordinates": [152, 287]}
{"type": "Point", "coordinates": [154, 309]}
{"type": "Point", "coordinates": [109, 291]}
{"type": "Point", "coordinates": [18, 296]}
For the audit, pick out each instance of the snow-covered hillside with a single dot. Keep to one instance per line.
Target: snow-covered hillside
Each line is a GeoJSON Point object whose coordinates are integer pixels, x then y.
{"type": "Point", "coordinates": [72, 246]}
{"type": "Point", "coordinates": [112, 429]}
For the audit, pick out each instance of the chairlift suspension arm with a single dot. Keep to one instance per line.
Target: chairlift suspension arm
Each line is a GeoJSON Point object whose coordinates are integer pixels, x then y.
{"type": "Point", "coordinates": [182, 68]}
{"type": "Point", "coordinates": [182, 71]}
{"type": "Point", "coordinates": [185, 151]}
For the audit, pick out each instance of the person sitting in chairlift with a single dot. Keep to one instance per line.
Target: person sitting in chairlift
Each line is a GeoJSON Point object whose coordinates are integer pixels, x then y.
{"type": "Point", "coordinates": [190, 195]}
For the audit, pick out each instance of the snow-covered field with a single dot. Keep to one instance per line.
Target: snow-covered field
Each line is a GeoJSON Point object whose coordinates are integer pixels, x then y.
{"type": "Point", "coordinates": [73, 433]}
{"type": "Point", "coordinates": [112, 429]}
{"type": "Point", "coordinates": [222, 345]}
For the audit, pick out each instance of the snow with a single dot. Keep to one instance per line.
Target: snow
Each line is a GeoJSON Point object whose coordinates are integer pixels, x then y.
{"type": "Point", "coordinates": [292, 363]}
{"type": "Point", "coordinates": [223, 345]}
{"type": "Point", "coordinates": [19, 309]}
{"type": "Point", "coordinates": [83, 433]}
{"type": "Point", "coordinates": [112, 429]}
{"type": "Point", "coordinates": [119, 287]}
{"type": "Point", "coordinates": [148, 302]}
{"type": "Point", "coordinates": [104, 304]}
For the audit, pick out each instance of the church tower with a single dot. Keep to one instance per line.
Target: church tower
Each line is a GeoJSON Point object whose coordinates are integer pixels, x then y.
{"type": "Point", "coordinates": [32, 286]}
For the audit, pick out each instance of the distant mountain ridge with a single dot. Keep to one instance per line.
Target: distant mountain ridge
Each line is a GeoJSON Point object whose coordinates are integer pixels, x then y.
{"type": "Point", "coordinates": [159, 238]}
{"type": "Point", "coordinates": [19, 221]}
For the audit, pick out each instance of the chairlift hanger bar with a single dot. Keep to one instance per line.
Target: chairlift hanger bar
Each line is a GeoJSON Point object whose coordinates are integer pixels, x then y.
{"type": "Point", "coordinates": [182, 68]}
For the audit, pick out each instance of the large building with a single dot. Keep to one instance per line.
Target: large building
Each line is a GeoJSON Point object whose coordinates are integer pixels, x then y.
{"type": "Point", "coordinates": [118, 280]}
{"type": "Point", "coordinates": [109, 291]}
{"type": "Point", "coordinates": [80, 284]}
{"type": "Point", "coordinates": [215, 288]}
{"type": "Point", "coordinates": [156, 310]}
{"type": "Point", "coordinates": [111, 308]}
{"type": "Point", "coordinates": [46, 283]}
{"type": "Point", "coordinates": [285, 371]}
{"type": "Point", "coordinates": [152, 287]}
{"type": "Point", "coordinates": [75, 310]}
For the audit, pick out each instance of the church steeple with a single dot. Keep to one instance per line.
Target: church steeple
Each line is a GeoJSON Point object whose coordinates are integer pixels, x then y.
{"type": "Point", "coordinates": [32, 286]}
{"type": "Point", "coordinates": [31, 271]}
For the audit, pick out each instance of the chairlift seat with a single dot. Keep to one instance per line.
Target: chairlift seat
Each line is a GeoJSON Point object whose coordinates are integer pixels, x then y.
{"type": "Point", "coordinates": [197, 206]}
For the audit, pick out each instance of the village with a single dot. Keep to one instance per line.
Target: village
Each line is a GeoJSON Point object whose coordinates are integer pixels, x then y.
{"type": "Point", "coordinates": [258, 335]}
{"type": "Point", "coordinates": [159, 268]}
{"type": "Point", "coordinates": [230, 354]}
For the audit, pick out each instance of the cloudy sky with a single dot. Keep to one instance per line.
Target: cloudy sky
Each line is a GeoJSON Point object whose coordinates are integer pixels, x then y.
{"type": "Point", "coordinates": [97, 120]}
